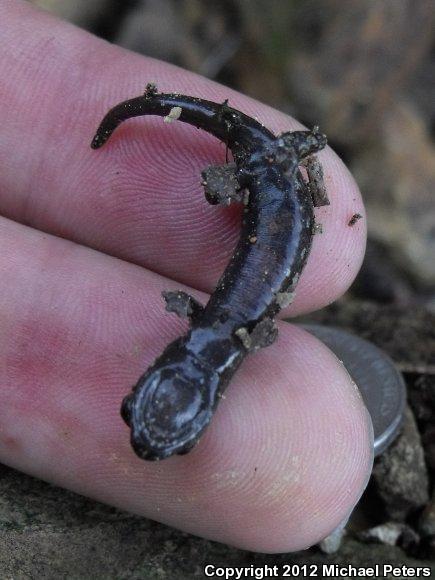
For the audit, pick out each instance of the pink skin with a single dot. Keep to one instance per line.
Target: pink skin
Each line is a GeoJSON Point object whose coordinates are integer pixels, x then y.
{"type": "Point", "coordinates": [289, 451]}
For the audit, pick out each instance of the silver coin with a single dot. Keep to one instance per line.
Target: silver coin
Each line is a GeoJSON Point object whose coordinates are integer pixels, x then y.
{"type": "Point", "coordinates": [381, 384]}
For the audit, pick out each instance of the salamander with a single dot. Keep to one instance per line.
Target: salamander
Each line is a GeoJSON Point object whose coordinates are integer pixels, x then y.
{"type": "Point", "coordinates": [174, 400]}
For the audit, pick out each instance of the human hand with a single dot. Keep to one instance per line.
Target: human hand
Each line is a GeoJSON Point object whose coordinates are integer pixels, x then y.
{"type": "Point", "coordinates": [90, 239]}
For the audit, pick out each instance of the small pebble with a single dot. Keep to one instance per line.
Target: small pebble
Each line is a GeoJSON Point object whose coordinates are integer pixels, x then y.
{"type": "Point", "coordinates": [173, 115]}
{"type": "Point", "coordinates": [388, 533]}
{"type": "Point", "coordinates": [331, 544]}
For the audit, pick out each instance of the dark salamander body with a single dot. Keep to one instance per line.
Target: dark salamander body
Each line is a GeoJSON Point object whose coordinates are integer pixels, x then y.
{"type": "Point", "coordinates": [175, 399]}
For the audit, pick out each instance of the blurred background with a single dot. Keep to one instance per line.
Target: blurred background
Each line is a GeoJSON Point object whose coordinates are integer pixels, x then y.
{"type": "Point", "coordinates": [364, 71]}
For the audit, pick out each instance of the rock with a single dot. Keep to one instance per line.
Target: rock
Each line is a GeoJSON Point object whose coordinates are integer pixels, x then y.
{"type": "Point", "coordinates": [389, 533]}
{"type": "Point", "coordinates": [429, 447]}
{"type": "Point", "coordinates": [393, 534]}
{"type": "Point", "coordinates": [422, 398]}
{"type": "Point", "coordinates": [400, 474]}
{"type": "Point", "coordinates": [430, 549]}
{"type": "Point", "coordinates": [332, 543]}
{"type": "Point", "coordinates": [427, 520]}
{"type": "Point", "coordinates": [409, 540]}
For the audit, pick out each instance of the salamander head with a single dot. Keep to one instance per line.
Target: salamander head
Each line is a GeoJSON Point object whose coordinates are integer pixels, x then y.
{"type": "Point", "coordinates": [170, 406]}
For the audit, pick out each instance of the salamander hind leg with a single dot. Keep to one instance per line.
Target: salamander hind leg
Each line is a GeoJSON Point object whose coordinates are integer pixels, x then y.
{"type": "Point", "coordinates": [298, 148]}
{"type": "Point", "coordinates": [263, 334]}
{"type": "Point", "coordinates": [221, 185]}
{"type": "Point", "coordinates": [303, 145]}
{"type": "Point", "coordinates": [182, 304]}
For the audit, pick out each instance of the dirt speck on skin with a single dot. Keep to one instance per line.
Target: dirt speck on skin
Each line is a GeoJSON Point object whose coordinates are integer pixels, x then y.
{"type": "Point", "coordinates": [173, 115]}
{"type": "Point", "coordinates": [227, 479]}
{"type": "Point", "coordinates": [244, 336]}
{"type": "Point", "coordinates": [356, 217]}
{"type": "Point", "coordinates": [284, 299]}
{"type": "Point", "coordinates": [65, 434]}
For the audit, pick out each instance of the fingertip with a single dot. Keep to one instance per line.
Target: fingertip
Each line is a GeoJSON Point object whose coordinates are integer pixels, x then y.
{"type": "Point", "coordinates": [286, 458]}
{"type": "Point", "coordinates": [283, 462]}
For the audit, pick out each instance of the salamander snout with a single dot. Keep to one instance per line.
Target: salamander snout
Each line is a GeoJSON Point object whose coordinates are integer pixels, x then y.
{"type": "Point", "coordinates": [170, 405]}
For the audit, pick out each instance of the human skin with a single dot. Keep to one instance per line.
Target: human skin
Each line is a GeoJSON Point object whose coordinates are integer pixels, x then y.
{"type": "Point", "coordinates": [90, 239]}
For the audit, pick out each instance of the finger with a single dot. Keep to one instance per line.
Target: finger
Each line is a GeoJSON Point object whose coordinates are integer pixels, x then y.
{"type": "Point", "coordinates": [140, 197]}
{"type": "Point", "coordinates": [283, 462]}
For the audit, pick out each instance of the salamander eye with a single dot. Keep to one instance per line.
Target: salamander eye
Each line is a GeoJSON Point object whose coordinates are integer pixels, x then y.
{"type": "Point", "coordinates": [169, 408]}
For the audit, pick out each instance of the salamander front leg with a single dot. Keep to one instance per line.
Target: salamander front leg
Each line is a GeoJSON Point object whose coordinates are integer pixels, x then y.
{"type": "Point", "coordinates": [184, 305]}
{"type": "Point", "coordinates": [221, 185]}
